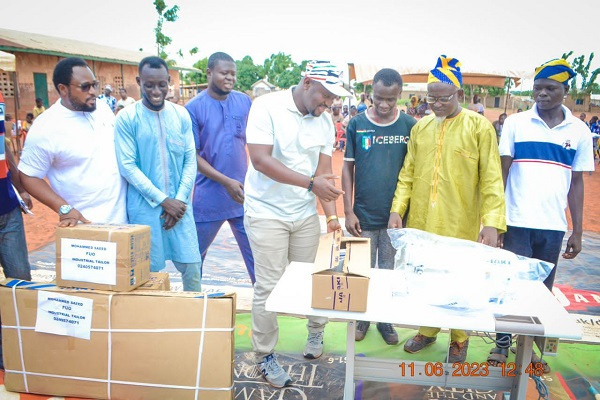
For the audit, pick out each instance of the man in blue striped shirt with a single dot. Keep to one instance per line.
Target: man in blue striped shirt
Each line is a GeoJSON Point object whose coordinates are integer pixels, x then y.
{"type": "Point", "coordinates": [544, 152]}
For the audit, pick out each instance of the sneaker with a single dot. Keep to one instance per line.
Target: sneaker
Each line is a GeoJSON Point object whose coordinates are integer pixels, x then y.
{"type": "Point", "coordinates": [418, 343]}
{"type": "Point", "coordinates": [273, 373]}
{"type": "Point", "coordinates": [361, 330]}
{"type": "Point", "coordinates": [314, 345]}
{"type": "Point", "coordinates": [388, 333]}
{"type": "Point", "coordinates": [458, 352]}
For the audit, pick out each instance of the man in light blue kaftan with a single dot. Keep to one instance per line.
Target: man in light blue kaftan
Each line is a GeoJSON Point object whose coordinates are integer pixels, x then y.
{"type": "Point", "coordinates": [156, 155]}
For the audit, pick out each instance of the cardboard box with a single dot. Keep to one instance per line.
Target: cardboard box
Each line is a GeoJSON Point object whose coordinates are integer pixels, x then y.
{"type": "Point", "coordinates": [146, 345]}
{"type": "Point", "coordinates": [157, 281]}
{"type": "Point", "coordinates": [345, 288]}
{"type": "Point", "coordinates": [102, 256]}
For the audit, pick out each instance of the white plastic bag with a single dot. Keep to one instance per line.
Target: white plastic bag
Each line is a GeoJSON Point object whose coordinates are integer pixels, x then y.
{"type": "Point", "coordinates": [450, 272]}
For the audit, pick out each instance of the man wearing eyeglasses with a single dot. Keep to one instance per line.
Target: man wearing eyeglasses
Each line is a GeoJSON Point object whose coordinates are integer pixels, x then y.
{"type": "Point", "coordinates": [451, 179]}
{"type": "Point", "coordinates": [72, 144]}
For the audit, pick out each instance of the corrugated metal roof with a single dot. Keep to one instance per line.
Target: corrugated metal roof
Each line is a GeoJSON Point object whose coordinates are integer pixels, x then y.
{"type": "Point", "coordinates": [41, 44]}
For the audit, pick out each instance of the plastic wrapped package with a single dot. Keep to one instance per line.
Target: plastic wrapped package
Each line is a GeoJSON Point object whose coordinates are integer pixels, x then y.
{"type": "Point", "coordinates": [450, 272]}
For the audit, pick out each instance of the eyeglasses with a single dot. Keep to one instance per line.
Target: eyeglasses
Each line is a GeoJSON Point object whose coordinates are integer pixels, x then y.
{"type": "Point", "coordinates": [85, 87]}
{"type": "Point", "coordinates": [442, 99]}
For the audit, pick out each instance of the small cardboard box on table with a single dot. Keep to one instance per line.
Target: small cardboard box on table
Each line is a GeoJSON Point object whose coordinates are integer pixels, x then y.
{"type": "Point", "coordinates": [142, 344]}
{"type": "Point", "coordinates": [345, 288]}
{"type": "Point", "coordinates": [103, 256]}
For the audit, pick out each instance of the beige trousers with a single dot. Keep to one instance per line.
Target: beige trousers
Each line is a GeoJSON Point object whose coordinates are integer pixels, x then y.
{"type": "Point", "coordinates": [274, 245]}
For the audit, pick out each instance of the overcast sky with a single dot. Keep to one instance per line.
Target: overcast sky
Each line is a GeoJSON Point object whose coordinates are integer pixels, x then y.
{"type": "Point", "coordinates": [482, 34]}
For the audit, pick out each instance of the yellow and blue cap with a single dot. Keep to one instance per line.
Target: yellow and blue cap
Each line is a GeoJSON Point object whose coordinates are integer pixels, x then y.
{"type": "Point", "coordinates": [558, 70]}
{"type": "Point", "coordinates": [447, 70]}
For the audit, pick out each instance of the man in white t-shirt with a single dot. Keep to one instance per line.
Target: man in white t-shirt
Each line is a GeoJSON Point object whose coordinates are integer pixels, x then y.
{"type": "Point", "coordinates": [544, 152]}
{"type": "Point", "coordinates": [72, 144]}
{"type": "Point", "coordinates": [290, 142]}
{"type": "Point", "coordinates": [124, 101]}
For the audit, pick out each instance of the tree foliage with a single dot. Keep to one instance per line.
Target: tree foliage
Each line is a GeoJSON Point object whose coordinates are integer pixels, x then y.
{"type": "Point", "coordinates": [291, 76]}
{"type": "Point", "coordinates": [276, 65]}
{"type": "Point", "coordinates": [247, 73]}
{"type": "Point", "coordinates": [281, 70]}
{"type": "Point", "coordinates": [197, 77]}
{"type": "Point", "coordinates": [165, 14]}
{"type": "Point", "coordinates": [582, 69]}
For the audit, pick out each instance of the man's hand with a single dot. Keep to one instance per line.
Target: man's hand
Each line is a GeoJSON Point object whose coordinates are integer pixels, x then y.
{"type": "Point", "coordinates": [71, 218]}
{"type": "Point", "coordinates": [235, 190]}
{"type": "Point", "coordinates": [174, 210]}
{"type": "Point", "coordinates": [352, 224]}
{"type": "Point", "coordinates": [395, 221]}
{"type": "Point", "coordinates": [501, 240]}
{"type": "Point", "coordinates": [26, 199]}
{"type": "Point", "coordinates": [324, 189]}
{"type": "Point", "coordinates": [488, 236]}
{"type": "Point", "coordinates": [573, 246]}
{"type": "Point", "coordinates": [333, 225]}
{"type": "Point", "coordinates": [169, 221]}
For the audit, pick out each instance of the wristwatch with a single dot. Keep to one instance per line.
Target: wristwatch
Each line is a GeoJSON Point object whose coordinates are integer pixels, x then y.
{"type": "Point", "coordinates": [65, 209]}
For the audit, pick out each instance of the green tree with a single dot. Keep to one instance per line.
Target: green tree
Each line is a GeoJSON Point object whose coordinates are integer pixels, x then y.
{"type": "Point", "coordinates": [276, 65]}
{"type": "Point", "coordinates": [165, 14]}
{"type": "Point", "coordinates": [495, 91]}
{"type": "Point", "coordinates": [290, 76]}
{"type": "Point", "coordinates": [197, 77]}
{"type": "Point", "coordinates": [583, 70]}
{"type": "Point", "coordinates": [247, 73]}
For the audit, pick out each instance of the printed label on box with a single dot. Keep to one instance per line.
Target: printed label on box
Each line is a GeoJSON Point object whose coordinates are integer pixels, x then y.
{"type": "Point", "coordinates": [65, 315]}
{"type": "Point", "coordinates": [88, 261]}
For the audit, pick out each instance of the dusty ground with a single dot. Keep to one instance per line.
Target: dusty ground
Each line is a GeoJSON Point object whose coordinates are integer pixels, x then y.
{"type": "Point", "coordinates": [40, 227]}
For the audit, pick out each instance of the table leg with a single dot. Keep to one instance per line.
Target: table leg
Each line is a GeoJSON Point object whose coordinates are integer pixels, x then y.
{"type": "Point", "coordinates": [349, 384]}
{"type": "Point", "coordinates": [523, 358]}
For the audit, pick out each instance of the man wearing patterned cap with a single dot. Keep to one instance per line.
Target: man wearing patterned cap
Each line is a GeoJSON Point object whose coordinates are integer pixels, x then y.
{"type": "Point", "coordinates": [544, 152]}
{"type": "Point", "coordinates": [451, 181]}
{"type": "Point", "coordinates": [290, 143]}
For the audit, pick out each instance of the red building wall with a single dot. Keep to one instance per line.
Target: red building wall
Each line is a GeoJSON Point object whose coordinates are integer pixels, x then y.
{"type": "Point", "coordinates": [117, 75]}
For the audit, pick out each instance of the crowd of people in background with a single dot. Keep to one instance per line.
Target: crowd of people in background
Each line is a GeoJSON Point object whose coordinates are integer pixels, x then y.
{"type": "Point", "coordinates": [184, 172]}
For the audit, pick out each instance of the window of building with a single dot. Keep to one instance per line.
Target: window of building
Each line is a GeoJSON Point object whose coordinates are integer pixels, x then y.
{"type": "Point", "coordinates": [7, 86]}
{"type": "Point", "coordinates": [118, 83]}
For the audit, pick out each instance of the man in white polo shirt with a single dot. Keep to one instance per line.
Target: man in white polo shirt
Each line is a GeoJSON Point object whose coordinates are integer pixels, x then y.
{"type": "Point", "coordinates": [72, 144]}
{"type": "Point", "coordinates": [290, 140]}
{"type": "Point", "coordinates": [544, 152]}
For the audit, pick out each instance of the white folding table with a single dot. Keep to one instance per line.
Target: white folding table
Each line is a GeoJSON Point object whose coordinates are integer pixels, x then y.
{"type": "Point", "coordinates": [532, 311]}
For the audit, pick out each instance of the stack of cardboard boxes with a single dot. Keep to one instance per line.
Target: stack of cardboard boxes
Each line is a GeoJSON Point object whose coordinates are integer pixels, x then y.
{"type": "Point", "coordinates": [111, 329]}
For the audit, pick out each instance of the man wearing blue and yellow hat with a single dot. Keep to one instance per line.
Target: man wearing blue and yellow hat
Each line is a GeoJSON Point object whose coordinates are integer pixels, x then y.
{"type": "Point", "coordinates": [544, 152]}
{"type": "Point", "coordinates": [451, 181]}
